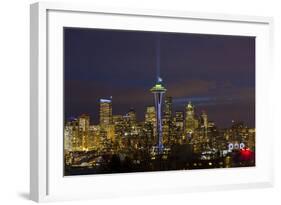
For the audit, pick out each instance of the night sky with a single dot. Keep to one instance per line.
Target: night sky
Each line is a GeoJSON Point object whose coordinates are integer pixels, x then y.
{"type": "Point", "coordinates": [215, 72]}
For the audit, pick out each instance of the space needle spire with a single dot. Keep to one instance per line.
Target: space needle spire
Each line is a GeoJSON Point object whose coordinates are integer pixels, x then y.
{"type": "Point", "coordinates": [158, 91]}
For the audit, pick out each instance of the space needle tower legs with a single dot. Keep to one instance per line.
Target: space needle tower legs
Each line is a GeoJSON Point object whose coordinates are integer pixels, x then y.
{"type": "Point", "coordinates": [158, 90]}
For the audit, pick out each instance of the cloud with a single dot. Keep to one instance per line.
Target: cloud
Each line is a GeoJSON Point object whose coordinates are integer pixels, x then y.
{"type": "Point", "coordinates": [190, 88]}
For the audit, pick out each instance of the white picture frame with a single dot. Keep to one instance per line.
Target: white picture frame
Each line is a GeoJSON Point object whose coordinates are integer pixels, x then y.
{"type": "Point", "coordinates": [47, 182]}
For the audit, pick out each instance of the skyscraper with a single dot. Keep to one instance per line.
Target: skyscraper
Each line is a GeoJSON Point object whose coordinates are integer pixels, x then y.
{"type": "Point", "coordinates": [204, 119]}
{"type": "Point", "coordinates": [178, 125]}
{"type": "Point", "coordinates": [191, 123]}
{"type": "Point", "coordinates": [179, 120]}
{"type": "Point", "coordinates": [204, 123]}
{"type": "Point", "coordinates": [150, 115]}
{"type": "Point", "coordinates": [94, 139]}
{"type": "Point", "coordinates": [158, 90]}
{"type": "Point", "coordinates": [105, 112]}
{"type": "Point", "coordinates": [71, 135]}
{"type": "Point", "coordinates": [84, 122]}
{"type": "Point", "coordinates": [167, 111]}
{"type": "Point", "coordinates": [150, 122]}
{"type": "Point", "coordinates": [167, 119]}
{"type": "Point", "coordinates": [132, 117]}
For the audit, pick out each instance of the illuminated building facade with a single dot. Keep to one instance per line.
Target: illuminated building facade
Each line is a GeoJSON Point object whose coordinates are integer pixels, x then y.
{"type": "Point", "coordinates": [178, 127]}
{"type": "Point", "coordinates": [204, 119]}
{"type": "Point", "coordinates": [150, 115]}
{"type": "Point", "coordinates": [132, 117]}
{"type": "Point", "coordinates": [84, 123]}
{"type": "Point", "coordinates": [94, 137]}
{"type": "Point", "coordinates": [191, 123]}
{"type": "Point", "coordinates": [167, 120]}
{"type": "Point", "coordinates": [71, 132]}
{"type": "Point", "coordinates": [119, 126]}
{"type": "Point", "coordinates": [105, 112]}
{"type": "Point", "coordinates": [150, 124]}
{"type": "Point", "coordinates": [204, 126]}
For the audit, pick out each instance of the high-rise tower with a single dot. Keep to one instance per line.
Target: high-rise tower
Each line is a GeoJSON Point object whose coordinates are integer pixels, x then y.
{"type": "Point", "coordinates": [191, 123]}
{"type": "Point", "coordinates": [105, 112]}
{"type": "Point", "coordinates": [158, 90]}
{"type": "Point", "coordinates": [167, 119]}
{"type": "Point", "coordinates": [84, 123]}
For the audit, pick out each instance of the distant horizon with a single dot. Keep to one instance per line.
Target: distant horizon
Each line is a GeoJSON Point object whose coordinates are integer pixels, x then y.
{"type": "Point", "coordinates": [215, 72]}
{"type": "Point", "coordinates": [197, 113]}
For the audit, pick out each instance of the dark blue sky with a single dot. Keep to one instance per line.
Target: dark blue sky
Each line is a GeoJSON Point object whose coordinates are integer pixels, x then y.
{"type": "Point", "coordinates": [215, 72]}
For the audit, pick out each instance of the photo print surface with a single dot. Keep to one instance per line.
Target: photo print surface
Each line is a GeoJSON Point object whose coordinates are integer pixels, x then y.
{"type": "Point", "coordinates": [140, 101]}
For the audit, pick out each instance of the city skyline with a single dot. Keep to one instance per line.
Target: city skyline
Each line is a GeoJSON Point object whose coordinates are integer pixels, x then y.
{"type": "Point", "coordinates": [186, 140]}
{"type": "Point", "coordinates": [211, 82]}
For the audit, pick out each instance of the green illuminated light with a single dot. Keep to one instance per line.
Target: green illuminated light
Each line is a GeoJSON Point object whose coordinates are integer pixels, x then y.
{"type": "Point", "coordinates": [158, 87]}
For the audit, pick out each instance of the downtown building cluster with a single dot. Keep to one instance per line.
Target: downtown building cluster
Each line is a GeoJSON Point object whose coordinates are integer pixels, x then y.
{"type": "Point", "coordinates": [124, 135]}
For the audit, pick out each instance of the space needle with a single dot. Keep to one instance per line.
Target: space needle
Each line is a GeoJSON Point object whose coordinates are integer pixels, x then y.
{"type": "Point", "coordinates": [158, 90]}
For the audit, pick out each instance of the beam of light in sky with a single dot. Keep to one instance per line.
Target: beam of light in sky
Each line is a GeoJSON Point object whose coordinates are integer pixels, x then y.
{"type": "Point", "coordinates": [208, 100]}
{"type": "Point", "coordinates": [158, 54]}
{"type": "Point", "coordinates": [194, 99]}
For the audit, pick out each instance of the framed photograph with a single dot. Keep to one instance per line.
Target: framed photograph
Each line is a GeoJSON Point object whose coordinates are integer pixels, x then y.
{"type": "Point", "coordinates": [130, 101]}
